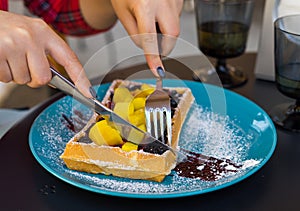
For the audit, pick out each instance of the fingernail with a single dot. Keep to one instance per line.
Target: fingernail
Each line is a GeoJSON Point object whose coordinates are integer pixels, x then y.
{"type": "Point", "coordinates": [160, 71]}
{"type": "Point", "coordinates": [93, 92]}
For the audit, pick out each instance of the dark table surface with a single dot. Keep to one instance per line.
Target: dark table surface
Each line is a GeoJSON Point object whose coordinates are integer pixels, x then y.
{"type": "Point", "coordinates": [25, 185]}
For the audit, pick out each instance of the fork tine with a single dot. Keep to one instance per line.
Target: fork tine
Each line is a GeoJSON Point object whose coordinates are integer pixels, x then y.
{"type": "Point", "coordinates": [155, 123]}
{"type": "Point", "coordinates": [169, 125]}
{"type": "Point", "coordinates": [148, 120]}
{"type": "Point", "coordinates": [162, 126]}
{"type": "Point", "coordinates": [158, 116]}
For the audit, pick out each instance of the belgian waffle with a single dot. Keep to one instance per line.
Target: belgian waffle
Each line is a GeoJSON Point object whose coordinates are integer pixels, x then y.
{"type": "Point", "coordinates": [143, 163]}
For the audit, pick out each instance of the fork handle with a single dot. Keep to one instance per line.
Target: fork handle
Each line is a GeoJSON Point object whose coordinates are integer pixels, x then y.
{"type": "Point", "coordinates": [159, 84]}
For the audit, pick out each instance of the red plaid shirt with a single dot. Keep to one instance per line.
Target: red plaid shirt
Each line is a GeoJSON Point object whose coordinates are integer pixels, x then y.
{"type": "Point", "coordinates": [64, 15]}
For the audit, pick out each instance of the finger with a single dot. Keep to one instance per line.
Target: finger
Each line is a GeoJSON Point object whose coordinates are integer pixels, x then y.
{"type": "Point", "coordinates": [150, 46]}
{"type": "Point", "coordinates": [170, 29]}
{"type": "Point", "coordinates": [5, 74]}
{"type": "Point", "coordinates": [63, 54]}
{"type": "Point", "coordinates": [18, 67]}
{"type": "Point", "coordinates": [126, 16]}
{"type": "Point", "coordinates": [39, 68]}
{"type": "Point", "coordinates": [169, 21]}
{"type": "Point", "coordinates": [167, 44]}
{"type": "Point", "coordinates": [131, 27]}
{"type": "Point", "coordinates": [151, 51]}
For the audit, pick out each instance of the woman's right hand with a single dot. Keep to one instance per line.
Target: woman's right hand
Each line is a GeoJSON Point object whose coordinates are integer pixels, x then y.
{"type": "Point", "coordinates": [25, 43]}
{"type": "Point", "coordinates": [140, 19]}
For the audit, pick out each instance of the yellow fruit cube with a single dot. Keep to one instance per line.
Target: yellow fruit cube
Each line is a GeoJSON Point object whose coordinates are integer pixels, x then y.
{"type": "Point", "coordinates": [138, 117]}
{"type": "Point", "coordinates": [142, 127]}
{"type": "Point", "coordinates": [122, 94]}
{"type": "Point", "coordinates": [124, 109]}
{"type": "Point", "coordinates": [139, 103]}
{"type": "Point", "coordinates": [136, 136]}
{"type": "Point", "coordinates": [103, 134]}
{"type": "Point", "coordinates": [128, 146]}
{"type": "Point", "coordinates": [144, 93]}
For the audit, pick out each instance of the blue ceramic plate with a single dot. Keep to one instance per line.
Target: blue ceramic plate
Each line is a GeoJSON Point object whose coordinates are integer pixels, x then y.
{"type": "Point", "coordinates": [220, 123]}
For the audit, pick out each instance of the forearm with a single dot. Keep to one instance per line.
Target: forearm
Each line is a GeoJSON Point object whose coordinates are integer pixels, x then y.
{"type": "Point", "coordinates": [99, 14]}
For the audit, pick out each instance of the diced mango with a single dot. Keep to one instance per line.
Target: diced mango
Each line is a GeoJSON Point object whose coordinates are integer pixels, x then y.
{"type": "Point", "coordinates": [142, 127]}
{"type": "Point", "coordinates": [138, 117]}
{"type": "Point", "coordinates": [144, 93]}
{"type": "Point", "coordinates": [128, 146]}
{"type": "Point", "coordinates": [103, 134]}
{"type": "Point", "coordinates": [139, 103]}
{"type": "Point", "coordinates": [122, 94]}
{"type": "Point", "coordinates": [124, 109]}
{"type": "Point", "coordinates": [136, 136]}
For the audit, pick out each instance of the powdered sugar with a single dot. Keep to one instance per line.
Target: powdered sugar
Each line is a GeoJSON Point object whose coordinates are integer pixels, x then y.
{"type": "Point", "coordinates": [250, 163]}
{"type": "Point", "coordinates": [214, 135]}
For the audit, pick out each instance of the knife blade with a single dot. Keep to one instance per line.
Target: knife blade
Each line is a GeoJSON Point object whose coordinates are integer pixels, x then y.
{"type": "Point", "coordinates": [127, 130]}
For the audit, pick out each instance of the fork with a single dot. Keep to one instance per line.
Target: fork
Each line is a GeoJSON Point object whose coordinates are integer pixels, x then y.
{"type": "Point", "coordinates": [158, 113]}
{"type": "Point", "coordinates": [157, 107]}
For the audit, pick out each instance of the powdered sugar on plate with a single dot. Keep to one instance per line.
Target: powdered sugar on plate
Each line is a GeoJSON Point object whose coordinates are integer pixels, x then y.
{"type": "Point", "coordinates": [214, 135]}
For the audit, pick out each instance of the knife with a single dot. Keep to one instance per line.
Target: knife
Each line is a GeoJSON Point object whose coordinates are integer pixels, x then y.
{"type": "Point", "coordinates": [127, 130]}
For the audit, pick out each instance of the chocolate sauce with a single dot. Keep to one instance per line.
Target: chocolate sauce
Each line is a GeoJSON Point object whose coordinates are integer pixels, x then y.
{"type": "Point", "coordinates": [198, 166]}
{"type": "Point", "coordinates": [76, 122]}
{"type": "Point", "coordinates": [69, 123]}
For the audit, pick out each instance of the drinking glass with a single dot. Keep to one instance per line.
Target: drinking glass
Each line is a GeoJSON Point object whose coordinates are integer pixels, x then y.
{"type": "Point", "coordinates": [222, 27]}
{"type": "Point", "coordinates": [287, 71]}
